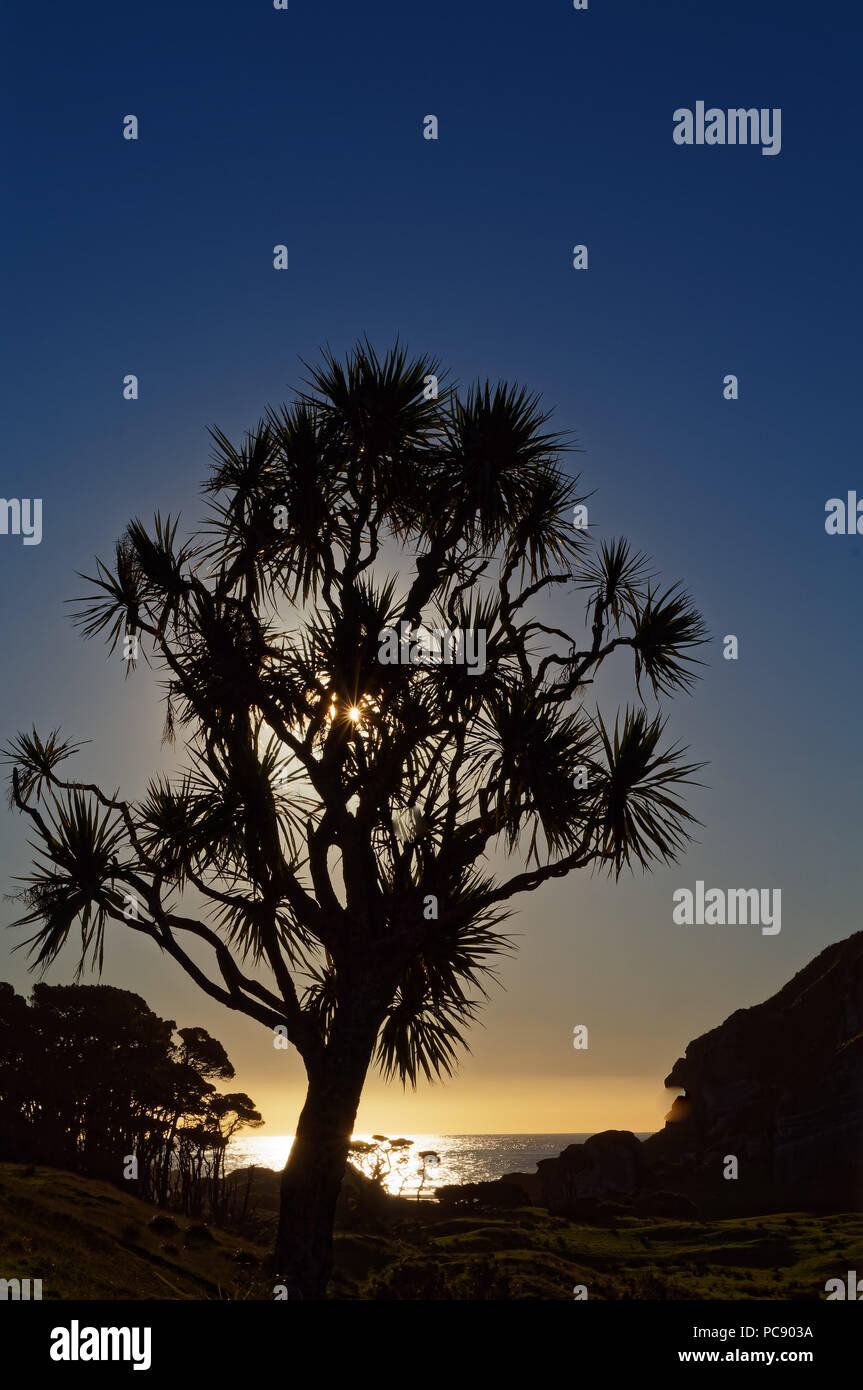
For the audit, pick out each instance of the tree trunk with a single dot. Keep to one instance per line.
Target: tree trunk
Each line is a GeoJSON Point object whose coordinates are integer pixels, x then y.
{"type": "Point", "coordinates": [313, 1174]}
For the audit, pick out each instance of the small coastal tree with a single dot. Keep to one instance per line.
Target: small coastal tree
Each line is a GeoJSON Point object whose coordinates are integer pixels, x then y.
{"type": "Point", "coordinates": [376, 721]}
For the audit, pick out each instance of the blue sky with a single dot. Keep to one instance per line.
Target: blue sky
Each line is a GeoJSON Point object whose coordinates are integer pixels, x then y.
{"type": "Point", "coordinates": [304, 127]}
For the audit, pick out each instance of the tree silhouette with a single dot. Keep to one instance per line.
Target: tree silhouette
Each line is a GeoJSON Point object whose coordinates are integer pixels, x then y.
{"type": "Point", "coordinates": [337, 818]}
{"type": "Point", "coordinates": [90, 1077]}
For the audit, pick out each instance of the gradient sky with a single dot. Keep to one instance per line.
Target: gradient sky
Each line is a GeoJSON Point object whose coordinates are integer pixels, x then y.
{"type": "Point", "coordinates": [304, 127]}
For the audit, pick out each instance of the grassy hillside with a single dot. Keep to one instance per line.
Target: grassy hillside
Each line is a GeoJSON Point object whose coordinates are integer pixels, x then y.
{"type": "Point", "coordinates": [527, 1254]}
{"type": "Point", "coordinates": [88, 1239]}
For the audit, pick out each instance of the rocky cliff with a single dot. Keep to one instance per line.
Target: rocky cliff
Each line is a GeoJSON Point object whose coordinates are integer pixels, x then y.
{"type": "Point", "coordinates": [777, 1087]}
{"type": "Point", "coordinates": [780, 1087]}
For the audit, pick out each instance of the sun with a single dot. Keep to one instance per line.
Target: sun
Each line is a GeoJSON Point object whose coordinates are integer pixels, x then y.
{"type": "Point", "coordinates": [354, 714]}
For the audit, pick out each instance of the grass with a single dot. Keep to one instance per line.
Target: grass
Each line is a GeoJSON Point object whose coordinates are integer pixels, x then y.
{"type": "Point", "coordinates": [89, 1239]}
{"type": "Point", "coordinates": [528, 1254]}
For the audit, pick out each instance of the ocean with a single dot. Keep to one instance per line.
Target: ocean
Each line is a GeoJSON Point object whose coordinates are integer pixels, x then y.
{"type": "Point", "coordinates": [459, 1157]}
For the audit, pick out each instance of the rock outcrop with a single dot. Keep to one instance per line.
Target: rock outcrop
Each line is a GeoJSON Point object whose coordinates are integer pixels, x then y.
{"type": "Point", "coordinates": [611, 1164]}
{"type": "Point", "coordinates": [500, 1193]}
{"type": "Point", "coordinates": [780, 1087]}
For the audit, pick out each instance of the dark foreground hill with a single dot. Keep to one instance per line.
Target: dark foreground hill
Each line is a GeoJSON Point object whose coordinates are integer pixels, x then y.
{"type": "Point", "coordinates": [87, 1239]}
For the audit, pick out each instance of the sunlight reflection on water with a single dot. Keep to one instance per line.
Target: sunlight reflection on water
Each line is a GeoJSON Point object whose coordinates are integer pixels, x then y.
{"type": "Point", "coordinates": [461, 1157]}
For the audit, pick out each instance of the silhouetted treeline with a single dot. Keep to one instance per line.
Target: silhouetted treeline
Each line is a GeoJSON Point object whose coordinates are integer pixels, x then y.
{"type": "Point", "coordinates": [91, 1079]}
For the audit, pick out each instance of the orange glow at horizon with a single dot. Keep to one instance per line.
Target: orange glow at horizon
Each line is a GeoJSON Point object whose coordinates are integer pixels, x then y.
{"type": "Point", "coordinates": [519, 1105]}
